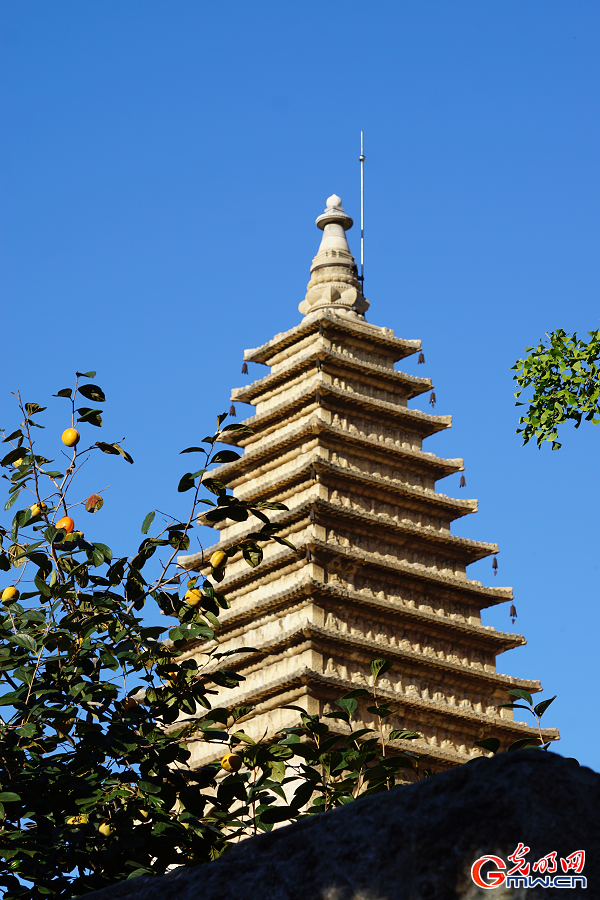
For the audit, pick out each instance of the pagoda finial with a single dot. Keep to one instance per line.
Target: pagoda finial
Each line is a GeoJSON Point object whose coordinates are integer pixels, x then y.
{"type": "Point", "coordinates": [334, 281]}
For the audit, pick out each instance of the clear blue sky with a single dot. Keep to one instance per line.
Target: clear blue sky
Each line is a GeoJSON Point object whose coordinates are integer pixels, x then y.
{"type": "Point", "coordinates": [162, 165]}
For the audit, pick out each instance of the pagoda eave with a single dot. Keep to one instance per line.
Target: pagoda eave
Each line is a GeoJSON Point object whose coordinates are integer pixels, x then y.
{"type": "Point", "coordinates": [470, 591]}
{"type": "Point", "coordinates": [233, 622]}
{"type": "Point", "coordinates": [425, 463]}
{"type": "Point", "coordinates": [323, 320]}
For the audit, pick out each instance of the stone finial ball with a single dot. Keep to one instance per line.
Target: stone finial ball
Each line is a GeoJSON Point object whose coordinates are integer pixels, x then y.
{"type": "Point", "coordinates": [334, 201]}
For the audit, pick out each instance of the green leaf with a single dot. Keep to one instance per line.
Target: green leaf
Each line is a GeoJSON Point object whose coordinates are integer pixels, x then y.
{"type": "Point", "coordinates": [541, 708]}
{"type": "Point", "coordinates": [193, 450]}
{"type": "Point", "coordinates": [32, 408]}
{"type": "Point", "coordinates": [253, 554]}
{"type": "Point", "coordinates": [186, 483]}
{"type": "Point", "coordinates": [107, 448]}
{"type": "Point", "coordinates": [12, 456]}
{"type": "Point", "coordinates": [123, 453]}
{"type": "Point", "coordinates": [242, 736]}
{"type": "Point", "coordinates": [24, 640]}
{"type": "Point", "coordinates": [11, 500]}
{"type": "Point", "coordinates": [379, 667]}
{"type": "Point", "coordinates": [13, 437]}
{"type": "Point", "coordinates": [92, 392]}
{"type": "Point", "coordinates": [103, 549]}
{"type": "Point", "coordinates": [348, 704]}
{"type": "Point", "coordinates": [274, 814]}
{"type": "Point", "coordinates": [85, 374]}
{"type": "Point", "coordinates": [225, 456]}
{"type": "Point", "coordinates": [403, 734]}
{"type": "Point", "coordinates": [66, 392]}
{"type": "Point", "coordinates": [524, 695]}
{"type": "Point", "coordinates": [91, 416]}
{"type": "Point", "coordinates": [238, 427]}
{"type": "Point", "coordinates": [148, 788]}
{"type": "Point", "coordinates": [522, 744]}
{"type": "Point", "coordinates": [492, 744]}
{"type": "Point", "coordinates": [9, 797]}
{"type": "Point", "coordinates": [148, 522]}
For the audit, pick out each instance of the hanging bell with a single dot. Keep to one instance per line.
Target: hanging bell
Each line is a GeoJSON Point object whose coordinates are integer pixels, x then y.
{"type": "Point", "coordinates": [513, 613]}
{"type": "Point", "coordinates": [421, 359]}
{"type": "Point", "coordinates": [308, 555]}
{"type": "Point", "coordinates": [317, 397]}
{"type": "Point", "coordinates": [495, 565]}
{"type": "Point", "coordinates": [313, 473]}
{"type": "Point", "coordinates": [433, 399]}
{"type": "Point", "coordinates": [232, 411]}
{"type": "Point", "coordinates": [463, 481]}
{"type": "Point", "coordinates": [244, 369]}
{"type": "Point", "coordinates": [312, 515]}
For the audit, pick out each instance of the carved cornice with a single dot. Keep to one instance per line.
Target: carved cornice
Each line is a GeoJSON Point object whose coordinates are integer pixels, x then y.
{"type": "Point", "coordinates": [234, 622]}
{"type": "Point", "coordinates": [330, 324]}
{"type": "Point", "coordinates": [427, 464]}
{"type": "Point", "coordinates": [407, 386]}
{"type": "Point", "coordinates": [470, 591]}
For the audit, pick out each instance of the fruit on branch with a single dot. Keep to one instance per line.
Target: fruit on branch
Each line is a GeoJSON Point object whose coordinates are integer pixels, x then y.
{"type": "Point", "coordinates": [70, 437]}
{"type": "Point", "coordinates": [193, 596]}
{"type": "Point", "coordinates": [218, 559]}
{"type": "Point", "coordinates": [232, 762]}
{"type": "Point", "coordinates": [10, 595]}
{"type": "Point", "coordinates": [38, 508]}
{"type": "Point", "coordinates": [81, 819]}
{"type": "Point", "coordinates": [106, 828]}
{"type": "Point", "coordinates": [18, 462]}
{"type": "Point", "coordinates": [66, 523]}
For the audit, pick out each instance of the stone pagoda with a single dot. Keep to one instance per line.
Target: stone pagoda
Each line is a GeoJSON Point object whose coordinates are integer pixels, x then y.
{"type": "Point", "coordinates": [377, 571]}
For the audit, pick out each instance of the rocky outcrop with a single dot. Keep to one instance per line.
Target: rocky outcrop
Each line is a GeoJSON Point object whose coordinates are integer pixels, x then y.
{"type": "Point", "coordinates": [417, 842]}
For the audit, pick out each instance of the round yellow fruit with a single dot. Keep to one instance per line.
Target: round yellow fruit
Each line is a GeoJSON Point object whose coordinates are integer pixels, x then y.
{"type": "Point", "coordinates": [218, 559]}
{"type": "Point", "coordinates": [18, 462]}
{"type": "Point", "coordinates": [38, 508]}
{"type": "Point", "coordinates": [82, 819]}
{"type": "Point", "coordinates": [66, 523]}
{"type": "Point", "coordinates": [10, 594]}
{"type": "Point", "coordinates": [193, 597]}
{"type": "Point", "coordinates": [232, 762]}
{"type": "Point", "coordinates": [70, 437]}
{"type": "Point", "coordinates": [106, 828]}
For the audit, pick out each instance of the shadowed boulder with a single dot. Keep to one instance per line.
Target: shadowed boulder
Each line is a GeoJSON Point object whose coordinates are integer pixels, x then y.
{"type": "Point", "coordinates": [416, 842]}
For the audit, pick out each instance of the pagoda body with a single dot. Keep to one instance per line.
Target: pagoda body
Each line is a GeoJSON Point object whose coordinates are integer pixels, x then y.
{"type": "Point", "coordinates": [376, 572]}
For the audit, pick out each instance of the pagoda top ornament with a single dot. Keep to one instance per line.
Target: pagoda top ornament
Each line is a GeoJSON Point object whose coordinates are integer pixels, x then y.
{"type": "Point", "coordinates": [334, 283]}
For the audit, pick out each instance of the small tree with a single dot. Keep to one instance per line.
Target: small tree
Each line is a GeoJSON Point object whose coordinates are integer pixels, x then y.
{"type": "Point", "coordinates": [93, 757]}
{"type": "Point", "coordinates": [564, 375]}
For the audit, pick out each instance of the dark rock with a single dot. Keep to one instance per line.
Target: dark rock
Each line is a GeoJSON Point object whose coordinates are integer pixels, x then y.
{"type": "Point", "coordinates": [416, 842]}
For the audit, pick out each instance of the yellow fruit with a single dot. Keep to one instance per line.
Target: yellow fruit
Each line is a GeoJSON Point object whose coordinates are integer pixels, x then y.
{"type": "Point", "coordinates": [218, 559]}
{"type": "Point", "coordinates": [193, 597]}
{"type": "Point", "coordinates": [172, 677]}
{"type": "Point", "coordinates": [106, 828]}
{"type": "Point", "coordinates": [144, 813]}
{"type": "Point", "coordinates": [66, 523]}
{"type": "Point", "coordinates": [70, 437]}
{"type": "Point", "coordinates": [10, 594]}
{"type": "Point", "coordinates": [78, 820]}
{"type": "Point", "coordinates": [18, 462]}
{"type": "Point", "coordinates": [38, 508]}
{"type": "Point", "coordinates": [231, 762]}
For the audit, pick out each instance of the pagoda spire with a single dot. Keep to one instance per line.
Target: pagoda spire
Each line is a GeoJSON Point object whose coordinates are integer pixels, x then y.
{"type": "Point", "coordinates": [334, 283]}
